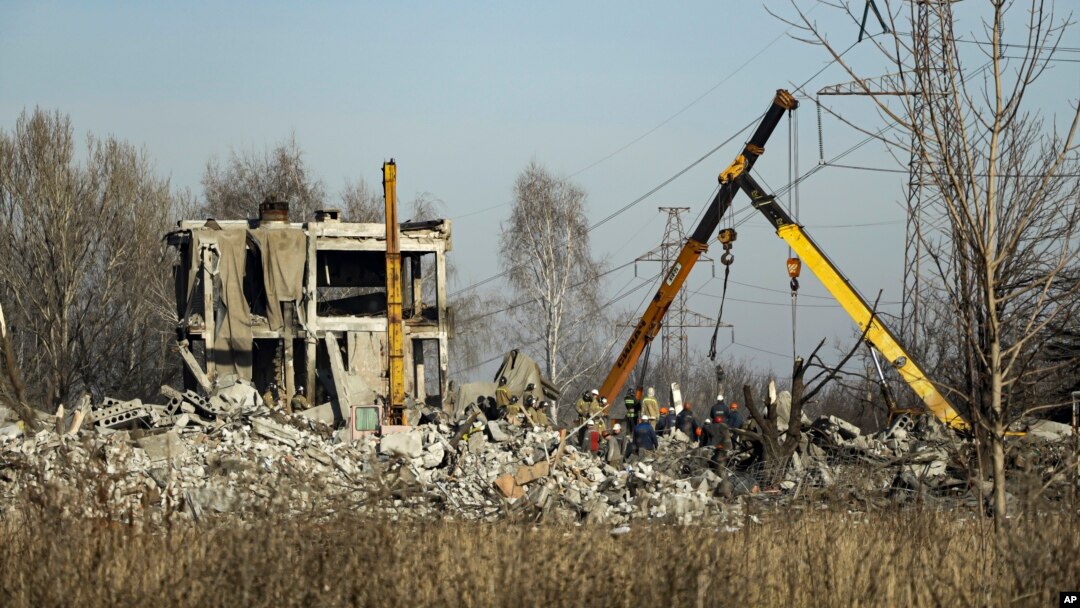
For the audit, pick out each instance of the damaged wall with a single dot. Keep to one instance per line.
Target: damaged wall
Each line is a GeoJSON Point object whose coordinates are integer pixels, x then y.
{"type": "Point", "coordinates": [257, 298]}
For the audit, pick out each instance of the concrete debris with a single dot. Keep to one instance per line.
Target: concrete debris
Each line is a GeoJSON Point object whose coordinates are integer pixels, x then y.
{"type": "Point", "coordinates": [198, 457]}
{"type": "Point", "coordinates": [403, 445]}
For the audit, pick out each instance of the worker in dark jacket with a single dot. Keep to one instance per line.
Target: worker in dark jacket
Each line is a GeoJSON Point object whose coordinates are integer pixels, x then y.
{"type": "Point", "coordinates": [719, 408]}
{"type": "Point", "coordinates": [735, 417]}
{"type": "Point", "coordinates": [666, 424]}
{"type": "Point", "coordinates": [644, 436]}
{"type": "Point", "coordinates": [715, 435]}
{"type": "Point", "coordinates": [633, 408]}
{"type": "Point", "coordinates": [687, 423]}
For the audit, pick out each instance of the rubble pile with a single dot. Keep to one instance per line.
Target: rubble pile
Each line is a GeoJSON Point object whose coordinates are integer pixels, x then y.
{"type": "Point", "coordinates": [196, 456]}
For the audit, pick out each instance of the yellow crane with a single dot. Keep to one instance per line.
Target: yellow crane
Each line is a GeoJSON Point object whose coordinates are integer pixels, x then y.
{"type": "Point", "coordinates": [395, 330]}
{"type": "Point", "coordinates": [737, 177]}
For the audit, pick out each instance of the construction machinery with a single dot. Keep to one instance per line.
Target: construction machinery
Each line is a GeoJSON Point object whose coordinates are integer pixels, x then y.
{"type": "Point", "coordinates": [395, 343]}
{"type": "Point", "coordinates": [733, 179]}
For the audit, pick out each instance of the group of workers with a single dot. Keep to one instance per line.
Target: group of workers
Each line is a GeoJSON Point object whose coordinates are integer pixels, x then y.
{"type": "Point", "coordinates": [648, 421]}
{"type": "Point", "coordinates": [521, 410]}
{"type": "Point", "coordinates": [274, 398]}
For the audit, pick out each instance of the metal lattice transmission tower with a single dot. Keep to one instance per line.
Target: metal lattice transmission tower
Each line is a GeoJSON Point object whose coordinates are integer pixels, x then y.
{"type": "Point", "coordinates": [675, 351]}
{"type": "Point", "coordinates": [932, 40]}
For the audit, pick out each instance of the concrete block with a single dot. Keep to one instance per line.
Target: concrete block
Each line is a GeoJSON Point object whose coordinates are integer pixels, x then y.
{"type": "Point", "coordinates": [163, 447]}
{"type": "Point", "coordinates": [323, 413]}
{"type": "Point", "coordinates": [404, 445]}
{"type": "Point", "coordinates": [278, 432]}
{"type": "Point", "coordinates": [497, 434]}
{"type": "Point", "coordinates": [1049, 430]}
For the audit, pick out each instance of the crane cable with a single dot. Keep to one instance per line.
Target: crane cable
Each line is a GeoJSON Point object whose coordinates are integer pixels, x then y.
{"type": "Point", "coordinates": [794, 265]}
{"type": "Point", "coordinates": [727, 236]}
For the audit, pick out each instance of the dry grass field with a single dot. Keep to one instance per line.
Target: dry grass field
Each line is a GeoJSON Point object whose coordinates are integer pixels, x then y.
{"type": "Point", "coordinates": [814, 557]}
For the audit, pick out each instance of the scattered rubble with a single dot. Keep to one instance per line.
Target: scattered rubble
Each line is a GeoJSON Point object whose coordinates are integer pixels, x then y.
{"type": "Point", "coordinates": [195, 457]}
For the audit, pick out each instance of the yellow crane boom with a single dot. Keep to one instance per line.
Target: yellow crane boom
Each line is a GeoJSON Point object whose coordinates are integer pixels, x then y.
{"type": "Point", "coordinates": [395, 331]}
{"type": "Point", "coordinates": [877, 333]}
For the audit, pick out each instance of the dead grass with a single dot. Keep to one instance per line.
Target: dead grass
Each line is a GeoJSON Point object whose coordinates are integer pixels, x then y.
{"type": "Point", "coordinates": [820, 558]}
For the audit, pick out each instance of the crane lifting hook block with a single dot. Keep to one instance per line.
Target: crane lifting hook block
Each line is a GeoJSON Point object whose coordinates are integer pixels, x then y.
{"type": "Point", "coordinates": [726, 237]}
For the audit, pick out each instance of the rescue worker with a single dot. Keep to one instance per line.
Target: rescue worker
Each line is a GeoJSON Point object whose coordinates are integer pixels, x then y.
{"type": "Point", "coordinates": [735, 417]}
{"type": "Point", "coordinates": [536, 412]}
{"type": "Point", "coordinates": [270, 396]}
{"type": "Point", "coordinates": [644, 436]}
{"type": "Point", "coordinates": [715, 434]}
{"type": "Point", "coordinates": [589, 444]}
{"type": "Point", "coordinates": [719, 408]}
{"type": "Point", "coordinates": [298, 403]}
{"type": "Point", "coordinates": [666, 424]}
{"type": "Point", "coordinates": [598, 405]}
{"type": "Point", "coordinates": [513, 410]}
{"type": "Point", "coordinates": [502, 394]}
{"type": "Point", "coordinates": [614, 445]}
{"type": "Point", "coordinates": [687, 422]}
{"type": "Point", "coordinates": [650, 406]}
{"type": "Point", "coordinates": [582, 408]}
{"type": "Point", "coordinates": [633, 408]}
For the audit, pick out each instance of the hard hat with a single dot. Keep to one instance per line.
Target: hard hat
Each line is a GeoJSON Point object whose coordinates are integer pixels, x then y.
{"type": "Point", "coordinates": [720, 397]}
{"type": "Point", "coordinates": [697, 432]}
{"type": "Point", "coordinates": [663, 410]}
{"type": "Point", "coordinates": [718, 419]}
{"type": "Point", "coordinates": [590, 423]}
{"type": "Point", "coordinates": [645, 417]}
{"type": "Point", "coordinates": [502, 380]}
{"type": "Point", "coordinates": [300, 390]}
{"type": "Point", "coordinates": [595, 392]}
{"type": "Point", "coordinates": [616, 428]}
{"type": "Point", "coordinates": [530, 386]}
{"type": "Point", "coordinates": [734, 405]}
{"type": "Point", "coordinates": [603, 400]}
{"type": "Point", "coordinates": [530, 400]}
{"type": "Point", "coordinates": [514, 399]}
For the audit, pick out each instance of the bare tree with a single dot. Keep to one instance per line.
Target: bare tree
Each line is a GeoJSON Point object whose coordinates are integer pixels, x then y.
{"type": "Point", "coordinates": [79, 262]}
{"type": "Point", "coordinates": [777, 444]}
{"type": "Point", "coordinates": [553, 275]}
{"type": "Point", "coordinates": [1007, 187]}
{"type": "Point", "coordinates": [235, 189]}
{"type": "Point", "coordinates": [362, 203]}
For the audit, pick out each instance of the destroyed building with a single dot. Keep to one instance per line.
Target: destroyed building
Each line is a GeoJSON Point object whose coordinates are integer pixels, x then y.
{"type": "Point", "coordinates": [305, 304]}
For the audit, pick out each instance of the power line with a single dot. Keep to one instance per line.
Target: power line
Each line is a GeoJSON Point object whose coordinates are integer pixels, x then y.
{"type": "Point", "coordinates": [999, 175]}
{"type": "Point", "coordinates": [626, 207]}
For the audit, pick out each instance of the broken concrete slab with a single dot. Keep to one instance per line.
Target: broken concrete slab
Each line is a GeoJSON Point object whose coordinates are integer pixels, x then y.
{"type": "Point", "coordinates": [278, 432]}
{"type": "Point", "coordinates": [163, 447]}
{"type": "Point", "coordinates": [497, 434]}
{"type": "Point", "coordinates": [408, 445]}
{"type": "Point", "coordinates": [1049, 430]}
{"type": "Point", "coordinates": [323, 413]}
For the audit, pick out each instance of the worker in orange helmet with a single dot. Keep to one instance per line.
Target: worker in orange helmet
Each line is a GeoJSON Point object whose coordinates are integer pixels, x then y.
{"type": "Point", "coordinates": [666, 423]}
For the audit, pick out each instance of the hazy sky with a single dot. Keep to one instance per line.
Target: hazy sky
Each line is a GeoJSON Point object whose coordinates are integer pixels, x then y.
{"type": "Point", "coordinates": [619, 95]}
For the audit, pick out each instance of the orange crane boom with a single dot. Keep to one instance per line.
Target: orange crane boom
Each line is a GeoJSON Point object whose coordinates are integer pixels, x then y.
{"type": "Point", "coordinates": [698, 243]}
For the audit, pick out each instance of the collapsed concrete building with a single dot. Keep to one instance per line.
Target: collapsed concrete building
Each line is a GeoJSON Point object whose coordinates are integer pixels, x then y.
{"type": "Point", "coordinates": [305, 304]}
